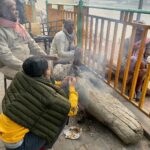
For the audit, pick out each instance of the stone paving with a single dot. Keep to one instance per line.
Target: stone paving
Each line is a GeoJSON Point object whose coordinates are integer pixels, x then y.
{"type": "Point", "coordinates": [94, 136]}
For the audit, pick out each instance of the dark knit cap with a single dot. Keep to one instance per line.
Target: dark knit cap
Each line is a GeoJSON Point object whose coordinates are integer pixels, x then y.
{"type": "Point", "coordinates": [35, 66]}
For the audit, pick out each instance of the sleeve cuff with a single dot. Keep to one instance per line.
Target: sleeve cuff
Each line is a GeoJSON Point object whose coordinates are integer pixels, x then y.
{"type": "Point", "coordinates": [58, 83]}
{"type": "Point", "coordinates": [72, 88]}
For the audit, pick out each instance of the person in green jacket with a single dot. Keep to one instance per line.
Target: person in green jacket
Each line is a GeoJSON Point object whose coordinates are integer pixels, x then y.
{"type": "Point", "coordinates": [35, 109]}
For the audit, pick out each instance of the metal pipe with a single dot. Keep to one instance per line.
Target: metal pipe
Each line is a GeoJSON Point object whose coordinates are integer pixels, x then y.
{"type": "Point", "coordinates": [118, 9]}
{"type": "Point", "coordinates": [139, 7]}
{"type": "Point", "coordinates": [79, 23]}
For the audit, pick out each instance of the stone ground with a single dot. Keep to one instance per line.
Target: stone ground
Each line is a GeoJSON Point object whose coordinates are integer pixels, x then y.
{"type": "Point", "coordinates": [94, 136]}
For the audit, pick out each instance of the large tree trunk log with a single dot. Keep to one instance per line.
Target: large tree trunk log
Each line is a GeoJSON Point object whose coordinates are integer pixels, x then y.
{"type": "Point", "coordinates": [97, 99]}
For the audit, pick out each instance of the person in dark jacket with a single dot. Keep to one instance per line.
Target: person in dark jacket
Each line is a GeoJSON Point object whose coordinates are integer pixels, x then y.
{"type": "Point", "coordinates": [35, 110]}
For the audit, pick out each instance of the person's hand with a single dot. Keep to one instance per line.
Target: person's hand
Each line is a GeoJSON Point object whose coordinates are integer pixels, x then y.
{"type": "Point", "coordinates": [47, 74]}
{"type": "Point", "coordinates": [72, 81]}
{"type": "Point", "coordinates": [77, 56]}
{"type": "Point", "coordinates": [65, 81]}
{"type": "Point", "coordinates": [78, 50]}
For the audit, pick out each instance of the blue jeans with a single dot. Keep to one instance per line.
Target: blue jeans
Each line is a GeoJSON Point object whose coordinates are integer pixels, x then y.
{"type": "Point", "coordinates": [31, 142]}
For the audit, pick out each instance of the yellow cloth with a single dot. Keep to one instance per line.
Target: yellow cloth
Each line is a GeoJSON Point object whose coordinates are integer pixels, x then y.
{"type": "Point", "coordinates": [11, 132]}
{"type": "Point", "coordinates": [73, 98]}
{"type": "Point", "coordinates": [58, 83]}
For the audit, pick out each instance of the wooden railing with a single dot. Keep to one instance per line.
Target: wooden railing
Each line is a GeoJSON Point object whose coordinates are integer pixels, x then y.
{"type": "Point", "coordinates": [103, 42]}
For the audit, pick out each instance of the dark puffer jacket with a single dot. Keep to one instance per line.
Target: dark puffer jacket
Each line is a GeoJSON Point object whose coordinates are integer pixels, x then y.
{"type": "Point", "coordinates": [37, 105]}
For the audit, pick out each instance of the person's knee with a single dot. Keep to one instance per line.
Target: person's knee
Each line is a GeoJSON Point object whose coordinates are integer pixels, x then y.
{"type": "Point", "coordinates": [142, 72]}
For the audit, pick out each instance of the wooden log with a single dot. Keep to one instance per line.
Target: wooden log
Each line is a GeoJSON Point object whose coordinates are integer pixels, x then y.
{"type": "Point", "coordinates": [98, 100]}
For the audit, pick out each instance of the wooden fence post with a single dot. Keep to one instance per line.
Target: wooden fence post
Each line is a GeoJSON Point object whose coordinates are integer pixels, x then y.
{"type": "Point", "coordinates": [79, 23]}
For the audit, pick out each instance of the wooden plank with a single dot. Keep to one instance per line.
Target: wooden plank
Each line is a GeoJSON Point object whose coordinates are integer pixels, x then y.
{"type": "Point", "coordinates": [107, 41]}
{"type": "Point", "coordinates": [112, 52]}
{"type": "Point", "coordinates": [127, 65]}
{"type": "Point", "coordinates": [144, 87]}
{"type": "Point", "coordinates": [121, 15]}
{"type": "Point", "coordinates": [120, 52]}
{"type": "Point", "coordinates": [120, 56]}
{"type": "Point", "coordinates": [100, 44]}
{"type": "Point", "coordinates": [126, 17]}
{"type": "Point", "coordinates": [65, 15]}
{"type": "Point", "coordinates": [83, 37]}
{"type": "Point", "coordinates": [69, 15]}
{"type": "Point", "coordinates": [86, 39]}
{"type": "Point", "coordinates": [75, 26]}
{"type": "Point", "coordinates": [54, 14]}
{"type": "Point", "coordinates": [131, 17]}
{"type": "Point", "coordinates": [90, 40]}
{"type": "Point", "coordinates": [72, 15]}
{"type": "Point", "coordinates": [95, 42]}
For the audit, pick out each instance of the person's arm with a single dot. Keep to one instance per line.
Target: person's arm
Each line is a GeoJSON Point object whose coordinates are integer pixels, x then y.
{"type": "Point", "coordinates": [6, 56]}
{"type": "Point", "coordinates": [73, 94]}
{"type": "Point", "coordinates": [73, 97]}
{"type": "Point", "coordinates": [53, 51]}
{"type": "Point", "coordinates": [34, 47]}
